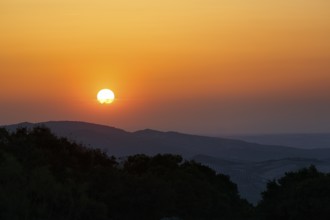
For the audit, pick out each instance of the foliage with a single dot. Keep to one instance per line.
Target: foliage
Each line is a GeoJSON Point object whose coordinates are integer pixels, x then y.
{"type": "Point", "coordinates": [297, 196]}
{"type": "Point", "coordinates": [46, 177]}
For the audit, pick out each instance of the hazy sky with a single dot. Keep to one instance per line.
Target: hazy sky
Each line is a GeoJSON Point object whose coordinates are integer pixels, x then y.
{"type": "Point", "coordinates": [197, 66]}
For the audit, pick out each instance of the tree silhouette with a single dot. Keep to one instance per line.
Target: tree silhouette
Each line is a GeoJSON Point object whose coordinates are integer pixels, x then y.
{"type": "Point", "coordinates": [300, 195]}
{"type": "Point", "coordinates": [46, 177]}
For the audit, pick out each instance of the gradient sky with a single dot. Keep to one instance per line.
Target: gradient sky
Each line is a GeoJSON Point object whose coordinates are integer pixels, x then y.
{"type": "Point", "coordinates": [196, 66]}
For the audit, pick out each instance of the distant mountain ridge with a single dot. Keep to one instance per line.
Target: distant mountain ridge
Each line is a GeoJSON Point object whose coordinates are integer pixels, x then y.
{"type": "Point", "coordinates": [250, 165]}
{"type": "Point", "coordinates": [120, 143]}
{"type": "Point", "coordinates": [299, 140]}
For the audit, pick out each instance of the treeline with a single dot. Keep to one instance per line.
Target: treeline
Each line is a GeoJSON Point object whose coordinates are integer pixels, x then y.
{"type": "Point", "coordinates": [46, 177]}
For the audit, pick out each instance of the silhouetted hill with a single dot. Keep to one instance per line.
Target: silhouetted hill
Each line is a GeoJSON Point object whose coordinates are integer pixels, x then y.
{"type": "Point", "coordinates": [307, 141]}
{"type": "Point", "coordinates": [122, 143]}
{"type": "Point", "coordinates": [250, 165]}
{"type": "Point", "coordinates": [44, 177]}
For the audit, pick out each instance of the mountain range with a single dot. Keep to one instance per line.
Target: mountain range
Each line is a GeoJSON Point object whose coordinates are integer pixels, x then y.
{"type": "Point", "coordinates": [250, 165]}
{"type": "Point", "coordinates": [299, 140]}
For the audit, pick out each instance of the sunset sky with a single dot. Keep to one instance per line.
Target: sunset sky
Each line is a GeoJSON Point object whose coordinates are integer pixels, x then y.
{"type": "Point", "coordinates": [197, 66]}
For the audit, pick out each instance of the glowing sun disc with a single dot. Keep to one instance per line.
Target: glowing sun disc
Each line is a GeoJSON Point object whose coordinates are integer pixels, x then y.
{"type": "Point", "coordinates": [105, 96]}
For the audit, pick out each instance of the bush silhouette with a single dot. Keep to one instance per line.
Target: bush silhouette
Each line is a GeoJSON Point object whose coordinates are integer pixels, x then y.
{"type": "Point", "coordinates": [46, 177]}
{"type": "Point", "coordinates": [300, 195]}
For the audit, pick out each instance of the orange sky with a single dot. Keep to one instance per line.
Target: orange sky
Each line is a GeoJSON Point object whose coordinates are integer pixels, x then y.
{"type": "Point", "coordinates": [199, 66]}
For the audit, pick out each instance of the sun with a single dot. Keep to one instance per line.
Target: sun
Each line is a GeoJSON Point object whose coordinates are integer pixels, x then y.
{"type": "Point", "coordinates": [105, 96]}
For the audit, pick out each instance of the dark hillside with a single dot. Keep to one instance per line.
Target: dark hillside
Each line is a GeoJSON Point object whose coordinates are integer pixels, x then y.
{"type": "Point", "coordinates": [120, 143]}
{"type": "Point", "coordinates": [45, 177]}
